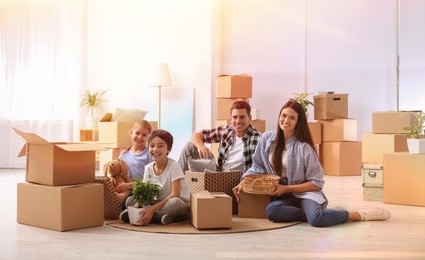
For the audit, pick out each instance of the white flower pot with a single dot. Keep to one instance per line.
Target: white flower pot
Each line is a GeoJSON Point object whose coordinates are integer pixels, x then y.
{"type": "Point", "coordinates": [134, 214]}
{"type": "Point", "coordinates": [92, 122]}
{"type": "Point", "coordinates": [416, 146]}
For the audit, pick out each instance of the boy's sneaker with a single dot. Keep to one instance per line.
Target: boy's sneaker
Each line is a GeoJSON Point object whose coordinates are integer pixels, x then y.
{"type": "Point", "coordinates": [124, 216]}
{"type": "Point", "coordinates": [129, 201]}
{"type": "Point", "coordinates": [374, 214]}
{"type": "Point", "coordinates": [167, 219]}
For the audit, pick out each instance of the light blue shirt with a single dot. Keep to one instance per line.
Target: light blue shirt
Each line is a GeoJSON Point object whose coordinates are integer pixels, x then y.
{"type": "Point", "coordinates": [136, 162]}
{"type": "Point", "coordinates": [303, 164]}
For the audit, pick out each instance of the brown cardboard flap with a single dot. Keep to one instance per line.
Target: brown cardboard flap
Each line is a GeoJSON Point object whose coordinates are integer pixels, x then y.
{"type": "Point", "coordinates": [30, 137]}
{"type": "Point", "coordinates": [106, 118]}
{"type": "Point", "coordinates": [81, 147]}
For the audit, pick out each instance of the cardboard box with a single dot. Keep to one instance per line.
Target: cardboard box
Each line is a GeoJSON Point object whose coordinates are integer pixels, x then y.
{"type": "Point", "coordinates": [108, 155]}
{"type": "Point", "coordinates": [215, 182]}
{"type": "Point", "coordinates": [260, 125]}
{"type": "Point", "coordinates": [330, 106]}
{"type": "Point", "coordinates": [237, 86]}
{"type": "Point", "coordinates": [60, 208]}
{"type": "Point", "coordinates": [154, 125]}
{"type": "Point", "coordinates": [224, 105]}
{"type": "Point", "coordinates": [404, 179]}
{"type": "Point", "coordinates": [253, 205]}
{"type": "Point", "coordinates": [57, 163]}
{"type": "Point", "coordinates": [316, 132]}
{"type": "Point", "coordinates": [114, 134]}
{"type": "Point", "coordinates": [341, 158]}
{"type": "Point", "coordinates": [210, 210]}
{"type": "Point", "coordinates": [376, 145]}
{"type": "Point", "coordinates": [339, 130]}
{"type": "Point", "coordinates": [392, 122]}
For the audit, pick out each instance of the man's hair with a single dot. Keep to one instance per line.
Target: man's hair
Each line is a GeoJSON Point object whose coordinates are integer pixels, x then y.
{"type": "Point", "coordinates": [241, 104]}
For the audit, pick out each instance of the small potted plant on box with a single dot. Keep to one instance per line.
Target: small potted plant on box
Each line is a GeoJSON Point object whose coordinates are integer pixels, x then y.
{"type": "Point", "coordinates": [143, 194]}
{"type": "Point", "coordinates": [416, 142]}
{"type": "Point", "coordinates": [302, 98]}
{"type": "Point", "coordinates": [92, 101]}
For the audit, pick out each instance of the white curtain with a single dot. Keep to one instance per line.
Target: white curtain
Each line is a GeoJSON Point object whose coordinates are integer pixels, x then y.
{"type": "Point", "coordinates": [42, 70]}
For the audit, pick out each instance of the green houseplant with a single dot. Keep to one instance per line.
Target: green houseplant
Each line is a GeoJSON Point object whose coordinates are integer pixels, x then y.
{"type": "Point", "coordinates": [302, 98]}
{"type": "Point", "coordinates": [143, 194]}
{"type": "Point", "coordinates": [416, 142]}
{"type": "Point", "coordinates": [92, 101]}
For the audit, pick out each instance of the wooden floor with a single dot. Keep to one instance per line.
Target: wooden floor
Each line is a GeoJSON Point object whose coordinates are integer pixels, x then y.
{"type": "Point", "coordinates": [401, 237]}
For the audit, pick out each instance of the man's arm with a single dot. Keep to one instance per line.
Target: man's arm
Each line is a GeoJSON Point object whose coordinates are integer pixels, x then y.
{"type": "Point", "coordinates": [198, 141]}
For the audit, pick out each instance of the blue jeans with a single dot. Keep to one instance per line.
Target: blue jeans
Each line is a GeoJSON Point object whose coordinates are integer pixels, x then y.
{"type": "Point", "coordinates": [288, 208]}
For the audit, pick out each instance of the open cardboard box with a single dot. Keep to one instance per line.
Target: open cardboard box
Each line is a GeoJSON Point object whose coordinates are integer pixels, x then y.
{"type": "Point", "coordinates": [114, 134]}
{"type": "Point", "coordinates": [58, 163]}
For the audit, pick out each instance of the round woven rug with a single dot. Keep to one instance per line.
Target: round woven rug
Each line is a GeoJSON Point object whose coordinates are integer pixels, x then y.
{"type": "Point", "coordinates": [185, 227]}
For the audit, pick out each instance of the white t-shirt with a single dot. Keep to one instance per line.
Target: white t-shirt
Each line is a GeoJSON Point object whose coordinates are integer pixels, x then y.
{"type": "Point", "coordinates": [284, 163]}
{"type": "Point", "coordinates": [172, 172]}
{"type": "Point", "coordinates": [235, 158]}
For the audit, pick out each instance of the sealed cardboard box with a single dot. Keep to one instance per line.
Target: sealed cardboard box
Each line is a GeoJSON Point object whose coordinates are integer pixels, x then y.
{"type": "Point", "coordinates": [114, 134]}
{"type": "Point", "coordinates": [392, 122]}
{"type": "Point", "coordinates": [54, 163]}
{"type": "Point", "coordinates": [339, 130]}
{"type": "Point", "coordinates": [316, 132]}
{"type": "Point", "coordinates": [237, 86]}
{"type": "Point", "coordinates": [330, 106]}
{"type": "Point", "coordinates": [253, 205]}
{"type": "Point", "coordinates": [404, 179]}
{"type": "Point", "coordinates": [210, 210]}
{"type": "Point", "coordinates": [215, 182]}
{"type": "Point", "coordinates": [341, 158]}
{"type": "Point", "coordinates": [376, 145]}
{"type": "Point", "coordinates": [60, 208]}
{"type": "Point", "coordinates": [224, 105]}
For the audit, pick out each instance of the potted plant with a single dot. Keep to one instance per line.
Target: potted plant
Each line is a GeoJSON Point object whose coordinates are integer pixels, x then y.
{"type": "Point", "coordinates": [143, 194]}
{"type": "Point", "coordinates": [302, 98]}
{"type": "Point", "coordinates": [92, 101]}
{"type": "Point", "coordinates": [416, 142]}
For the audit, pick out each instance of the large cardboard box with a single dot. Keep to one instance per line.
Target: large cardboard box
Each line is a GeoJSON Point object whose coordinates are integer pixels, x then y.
{"type": "Point", "coordinates": [330, 106]}
{"type": "Point", "coordinates": [341, 158]}
{"type": "Point", "coordinates": [316, 132]}
{"type": "Point", "coordinates": [404, 179]}
{"type": "Point", "coordinates": [339, 130]}
{"type": "Point", "coordinates": [54, 163]}
{"type": "Point", "coordinates": [392, 122]}
{"type": "Point", "coordinates": [253, 205]}
{"type": "Point", "coordinates": [215, 182]}
{"type": "Point", "coordinates": [210, 210]}
{"type": "Point", "coordinates": [114, 134]}
{"type": "Point", "coordinates": [224, 105]}
{"type": "Point", "coordinates": [60, 208]}
{"type": "Point", "coordinates": [376, 145]}
{"type": "Point", "coordinates": [259, 124]}
{"type": "Point", "coordinates": [237, 86]}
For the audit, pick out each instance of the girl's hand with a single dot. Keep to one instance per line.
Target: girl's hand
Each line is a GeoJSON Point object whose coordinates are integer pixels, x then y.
{"type": "Point", "coordinates": [279, 190]}
{"type": "Point", "coordinates": [237, 189]}
{"type": "Point", "coordinates": [147, 214]}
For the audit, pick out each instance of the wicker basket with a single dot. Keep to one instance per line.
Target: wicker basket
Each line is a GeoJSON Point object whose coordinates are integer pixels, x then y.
{"type": "Point", "coordinates": [260, 183]}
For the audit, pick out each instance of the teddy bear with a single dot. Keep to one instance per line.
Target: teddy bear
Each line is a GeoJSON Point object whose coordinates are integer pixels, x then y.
{"type": "Point", "coordinates": [118, 170]}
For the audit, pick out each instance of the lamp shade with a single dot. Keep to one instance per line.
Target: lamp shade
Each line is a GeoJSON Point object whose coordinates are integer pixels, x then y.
{"type": "Point", "coordinates": [160, 76]}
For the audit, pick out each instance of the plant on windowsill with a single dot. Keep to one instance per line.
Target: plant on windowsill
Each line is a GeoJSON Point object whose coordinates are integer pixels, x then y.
{"type": "Point", "coordinates": [416, 142]}
{"type": "Point", "coordinates": [143, 194]}
{"type": "Point", "coordinates": [92, 101]}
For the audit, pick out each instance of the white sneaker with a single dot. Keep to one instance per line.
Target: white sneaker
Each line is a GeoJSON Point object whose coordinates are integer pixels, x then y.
{"type": "Point", "coordinates": [129, 202]}
{"type": "Point", "coordinates": [373, 214]}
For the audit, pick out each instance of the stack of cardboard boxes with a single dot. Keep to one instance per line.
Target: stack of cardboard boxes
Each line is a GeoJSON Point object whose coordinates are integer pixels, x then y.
{"type": "Point", "coordinates": [59, 192]}
{"type": "Point", "coordinates": [387, 136]}
{"type": "Point", "coordinates": [339, 150]}
{"type": "Point", "coordinates": [401, 175]}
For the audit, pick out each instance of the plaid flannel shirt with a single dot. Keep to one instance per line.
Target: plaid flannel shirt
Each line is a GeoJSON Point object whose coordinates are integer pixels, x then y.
{"type": "Point", "coordinates": [225, 135]}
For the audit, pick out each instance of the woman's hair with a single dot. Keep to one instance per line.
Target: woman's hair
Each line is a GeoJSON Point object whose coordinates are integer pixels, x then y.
{"type": "Point", "coordinates": [241, 104]}
{"type": "Point", "coordinates": [164, 135]}
{"type": "Point", "coordinates": [142, 123]}
{"type": "Point", "coordinates": [302, 133]}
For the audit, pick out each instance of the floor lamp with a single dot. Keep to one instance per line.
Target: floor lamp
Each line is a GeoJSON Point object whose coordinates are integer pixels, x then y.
{"type": "Point", "coordinates": [161, 78]}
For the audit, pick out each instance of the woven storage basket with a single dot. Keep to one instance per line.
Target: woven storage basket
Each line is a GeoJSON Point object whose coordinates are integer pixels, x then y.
{"type": "Point", "coordinates": [112, 204]}
{"type": "Point", "coordinates": [260, 183]}
{"type": "Point", "coordinates": [330, 106]}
